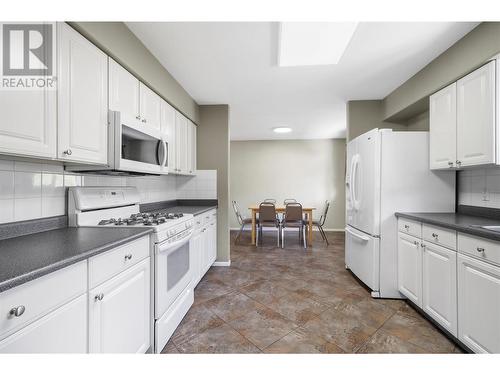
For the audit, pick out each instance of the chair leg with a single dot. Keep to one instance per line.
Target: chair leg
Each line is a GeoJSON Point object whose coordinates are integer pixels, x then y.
{"type": "Point", "coordinates": [239, 234]}
{"type": "Point", "coordinates": [304, 236]}
{"type": "Point", "coordinates": [257, 236]}
{"type": "Point", "coordinates": [324, 235]}
{"type": "Point", "coordinates": [282, 237]}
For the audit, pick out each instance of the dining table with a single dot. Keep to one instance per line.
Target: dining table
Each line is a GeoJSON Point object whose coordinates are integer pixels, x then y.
{"type": "Point", "coordinates": [308, 211]}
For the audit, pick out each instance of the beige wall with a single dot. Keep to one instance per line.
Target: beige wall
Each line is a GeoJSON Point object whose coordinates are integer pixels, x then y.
{"type": "Point", "coordinates": [310, 171]}
{"type": "Point", "coordinates": [364, 115]}
{"type": "Point", "coordinates": [122, 45]}
{"type": "Point", "coordinates": [213, 153]}
{"type": "Point", "coordinates": [465, 55]}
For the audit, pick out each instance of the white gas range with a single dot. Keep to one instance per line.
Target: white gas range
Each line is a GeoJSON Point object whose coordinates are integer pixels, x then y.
{"type": "Point", "coordinates": [115, 207]}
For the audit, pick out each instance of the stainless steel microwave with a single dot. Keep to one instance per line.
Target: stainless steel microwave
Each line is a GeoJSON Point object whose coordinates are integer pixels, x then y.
{"type": "Point", "coordinates": [133, 148]}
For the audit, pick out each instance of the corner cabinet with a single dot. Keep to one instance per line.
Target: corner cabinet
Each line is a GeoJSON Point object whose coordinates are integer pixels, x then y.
{"type": "Point", "coordinates": [82, 99]}
{"type": "Point", "coordinates": [463, 121]}
{"type": "Point", "coordinates": [203, 244]}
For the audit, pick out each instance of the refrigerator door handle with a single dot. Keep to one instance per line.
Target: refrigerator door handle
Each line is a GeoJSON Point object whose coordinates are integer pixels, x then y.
{"type": "Point", "coordinates": [354, 173]}
{"type": "Point", "coordinates": [359, 236]}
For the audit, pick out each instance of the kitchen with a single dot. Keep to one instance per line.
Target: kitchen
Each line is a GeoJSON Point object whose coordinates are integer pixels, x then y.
{"type": "Point", "coordinates": [132, 194]}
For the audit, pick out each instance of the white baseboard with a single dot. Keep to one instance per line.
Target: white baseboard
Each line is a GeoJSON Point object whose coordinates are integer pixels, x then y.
{"type": "Point", "coordinates": [222, 264]}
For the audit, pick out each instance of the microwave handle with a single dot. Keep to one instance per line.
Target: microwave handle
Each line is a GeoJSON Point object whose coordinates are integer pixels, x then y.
{"type": "Point", "coordinates": [165, 154]}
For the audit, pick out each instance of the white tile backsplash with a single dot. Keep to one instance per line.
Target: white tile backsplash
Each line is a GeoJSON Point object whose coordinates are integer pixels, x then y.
{"type": "Point", "coordinates": [479, 187]}
{"type": "Point", "coordinates": [30, 190]}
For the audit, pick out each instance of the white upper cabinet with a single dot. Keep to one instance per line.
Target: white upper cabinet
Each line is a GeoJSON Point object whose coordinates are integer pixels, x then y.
{"type": "Point", "coordinates": [123, 91]}
{"type": "Point", "coordinates": [443, 128]}
{"type": "Point", "coordinates": [181, 145]}
{"type": "Point", "coordinates": [168, 115]}
{"type": "Point", "coordinates": [150, 106]}
{"type": "Point", "coordinates": [191, 147]}
{"type": "Point", "coordinates": [476, 117]}
{"type": "Point", "coordinates": [28, 126]}
{"type": "Point", "coordinates": [463, 121]}
{"type": "Point", "coordinates": [82, 99]}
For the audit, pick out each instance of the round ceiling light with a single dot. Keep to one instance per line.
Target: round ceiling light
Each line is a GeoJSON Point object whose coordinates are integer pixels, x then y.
{"type": "Point", "coordinates": [282, 129]}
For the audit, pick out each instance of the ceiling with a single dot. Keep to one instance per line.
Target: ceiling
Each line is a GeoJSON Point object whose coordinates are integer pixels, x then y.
{"type": "Point", "coordinates": [236, 63]}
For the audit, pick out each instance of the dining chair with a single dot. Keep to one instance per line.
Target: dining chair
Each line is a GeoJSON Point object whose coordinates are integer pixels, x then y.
{"type": "Point", "coordinates": [293, 218]}
{"type": "Point", "coordinates": [270, 200]}
{"type": "Point", "coordinates": [321, 222]}
{"type": "Point", "coordinates": [289, 200]}
{"type": "Point", "coordinates": [268, 218]}
{"type": "Point", "coordinates": [241, 220]}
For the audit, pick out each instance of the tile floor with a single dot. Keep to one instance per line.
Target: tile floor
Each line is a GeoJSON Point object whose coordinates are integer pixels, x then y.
{"type": "Point", "coordinates": [289, 300]}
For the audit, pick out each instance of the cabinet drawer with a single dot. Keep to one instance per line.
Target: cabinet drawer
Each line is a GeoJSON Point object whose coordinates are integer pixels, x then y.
{"type": "Point", "coordinates": [480, 248]}
{"type": "Point", "coordinates": [39, 297]}
{"type": "Point", "coordinates": [440, 236]}
{"type": "Point", "coordinates": [104, 266]}
{"type": "Point", "coordinates": [413, 228]}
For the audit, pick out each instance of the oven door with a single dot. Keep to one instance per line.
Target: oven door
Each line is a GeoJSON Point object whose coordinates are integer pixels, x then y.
{"type": "Point", "coordinates": [138, 147]}
{"type": "Point", "coordinates": [173, 271]}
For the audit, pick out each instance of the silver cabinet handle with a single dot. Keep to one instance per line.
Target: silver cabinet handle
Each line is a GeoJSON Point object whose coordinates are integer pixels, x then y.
{"type": "Point", "coordinates": [67, 152]}
{"type": "Point", "coordinates": [138, 117]}
{"type": "Point", "coordinates": [144, 120]}
{"type": "Point", "coordinates": [435, 235]}
{"type": "Point", "coordinates": [128, 256]}
{"type": "Point", "coordinates": [407, 226]}
{"type": "Point", "coordinates": [422, 245]}
{"type": "Point", "coordinates": [458, 163]}
{"type": "Point", "coordinates": [415, 243]}
{"type": "Point", "coordinates": [480, 250]}
{"type": "Point", "coordinates": [450, 163]}
{"type": "Point", "coordinates": [99, 297]}
{"type": "Point", "coordinates": [17, 311]}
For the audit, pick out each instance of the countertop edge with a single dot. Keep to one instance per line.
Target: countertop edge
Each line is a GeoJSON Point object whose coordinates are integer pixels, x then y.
{"type": "Point", "coordinates": [475, 231]}
{"type": "Point", "coordinates": [208, 208]}
{"type": "Point", "coordinates": [33, 275]}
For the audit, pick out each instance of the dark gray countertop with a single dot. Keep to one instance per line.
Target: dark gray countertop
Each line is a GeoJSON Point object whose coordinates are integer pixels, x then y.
{"type": "Point", "coordinates": [28, 257]}
{"type": "Point", "coordinates": [195, 210]}
{"type": "Point", "coordinates": [453, 220]}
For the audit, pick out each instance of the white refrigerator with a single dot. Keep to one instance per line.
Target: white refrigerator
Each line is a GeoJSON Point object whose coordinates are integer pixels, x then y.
{"type": "Point", "coordinates": [388, 171]}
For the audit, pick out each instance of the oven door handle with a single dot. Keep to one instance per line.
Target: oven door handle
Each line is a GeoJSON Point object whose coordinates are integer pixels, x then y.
{"type": "Point", "coordinates": [166, 247]}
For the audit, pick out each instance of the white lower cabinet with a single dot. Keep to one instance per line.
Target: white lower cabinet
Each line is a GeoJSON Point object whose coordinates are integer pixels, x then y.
{"type": "Point", "coordinates": [203, 245]}
{"type": "Point", "coordinates": [119, 312]}
{"type": "Point", "coordinates": [439, 292]}
{"type": "Point", "coordinates": [410, 268]}
{"type": "Point", "coordinates": [478, 305]}
{"type": "Point", "coordinates": [62, 331]}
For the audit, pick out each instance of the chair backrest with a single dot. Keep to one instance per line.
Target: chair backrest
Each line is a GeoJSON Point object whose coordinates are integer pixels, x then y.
{"type": "Point", "coordinates": [289, 200]}
{"type": "Point", "coordinates": [270, 200]}
{"type": "Point", "coordinates": [236, 209]}
{"type": "Point", "coordinates": [322, 218]}
{"type": "Point", "coordinates": [293, 212]}
{"type": "Point", "coordinates": [267, 212]}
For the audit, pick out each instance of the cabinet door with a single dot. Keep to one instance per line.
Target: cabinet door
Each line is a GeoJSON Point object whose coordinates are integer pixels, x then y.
{"type": "Point", "coordinates": [213, 243]}
{"type": "Point", "coordinates": [64, 330]}
{"type": "Point", "coordinates": [123, 91]}
{"type": "Point", "coordinates": [119, 320]}
{"type": "Point", "coordinates": [196, 249]}
{"type": "Point", "coordinates": [410, 268]}
{"type": "Point", "coordinates": [191, 148]}
{"type": "Point", "coordinates": [181, 143]}
{"type": "Point", "coordinates": [443, 128]}
{"type": "Point", "coordinates": [82, 99]}
{"type": "Point", "coordinates": [478, 305]}
{"type": "Point", "coordinates": [476, 117]}
{"type": "Point", "coordinates": [28, 126]}
{"type": "Point", "coordinates": [440, 285]}
{"type": "Point", "coordinates": [150, 106]}
{"type": "Point", "coordinates": [168, 115]}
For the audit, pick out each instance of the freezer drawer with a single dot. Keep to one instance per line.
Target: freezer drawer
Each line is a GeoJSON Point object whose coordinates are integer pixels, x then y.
{"type": "Point", "coordinates": [362, 254]}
